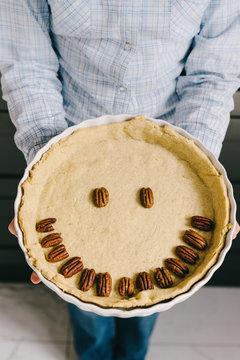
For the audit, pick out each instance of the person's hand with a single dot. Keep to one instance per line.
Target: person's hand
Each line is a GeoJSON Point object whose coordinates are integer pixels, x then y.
{"type": "Point", "coordinates": [236, 230]}
{"type": "Point", "coordinates": [34, 278]}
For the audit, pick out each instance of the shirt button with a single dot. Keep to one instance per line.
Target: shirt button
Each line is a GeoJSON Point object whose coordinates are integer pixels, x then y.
{"type": "Point", "coordinates": [127, 46]}
{"type": "Point", "coordinates": [122, 88]}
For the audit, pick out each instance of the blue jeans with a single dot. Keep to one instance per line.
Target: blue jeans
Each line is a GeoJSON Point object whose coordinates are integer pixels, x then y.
{"type": "Point", "coordinates": [106, 338]}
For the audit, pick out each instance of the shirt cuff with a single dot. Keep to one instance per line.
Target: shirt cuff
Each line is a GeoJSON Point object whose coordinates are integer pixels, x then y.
{"type": "Point", "coordinates": [208, 137]}
{"type": "Point", "coordinates": [29, 156]}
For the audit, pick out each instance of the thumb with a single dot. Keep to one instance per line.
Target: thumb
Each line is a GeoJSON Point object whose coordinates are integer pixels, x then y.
{"type": "Point", "coordinates": [11, 228]}
{"type": "Point", "coordinates": [34, 278]}
{"type": "Point", "coordinates": [236, 230]}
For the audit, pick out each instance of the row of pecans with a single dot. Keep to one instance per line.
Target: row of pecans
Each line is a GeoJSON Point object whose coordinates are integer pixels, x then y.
{"type": "Point", "coordinates": [196, 241]}
{"type": "Point", "coordinates": [126, 285]}
{"type": "Point", "coordinates": [172, 265]}
{"type": "Point", "coordinates": [74, 265]}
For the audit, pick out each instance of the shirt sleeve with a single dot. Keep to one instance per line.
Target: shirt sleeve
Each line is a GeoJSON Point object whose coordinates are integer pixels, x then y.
{"type": "Point", "coordinates": [211, 76]}
{"type": "Point", "coordinates": [29, 68]}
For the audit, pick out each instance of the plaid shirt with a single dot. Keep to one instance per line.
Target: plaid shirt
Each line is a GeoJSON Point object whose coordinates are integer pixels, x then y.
{"type": "Point", "coordinates": [65, 61]}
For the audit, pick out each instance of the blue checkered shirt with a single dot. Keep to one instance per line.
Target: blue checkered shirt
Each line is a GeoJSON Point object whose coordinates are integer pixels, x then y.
{"type": "Point", "coordinates": [65, 61]}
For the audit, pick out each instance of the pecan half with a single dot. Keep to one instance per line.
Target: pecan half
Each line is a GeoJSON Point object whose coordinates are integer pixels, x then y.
{"type": "Point", "coordinates": [146, 197]}
{"type": "Point", "coordinates": [45, 225]}
{"type": "Point", "coordinates": [202, 223]}
{"type": "Point", "coordinates": [104, 284]}
{"type": "Point", "coordinates": [195, 240]}
{"type": "Point", "coordinates": [51, 240]}
{"type": "Point", "coordinates": [177, 267]}
{"type": "Point", "coordinates": [126, 287]}
{"type": "Point", "coordinates": [87, 279]}
{"type": "Point", "coordinates": [144, 281]}
{"type": "Point", "coordinates": [163, 277]}
{"type": "Point", "coordinates": [71, 267]}
{"type": "Point", "coordinates": [100, 197]}
{"type": "Point", "coordinates": [57, 254]}
{"type": "Point", "coordinates": [186, 254]}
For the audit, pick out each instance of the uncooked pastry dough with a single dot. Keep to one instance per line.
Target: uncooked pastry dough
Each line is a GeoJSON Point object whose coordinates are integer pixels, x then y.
{"type": "Point", "coordinates": [124, 238]}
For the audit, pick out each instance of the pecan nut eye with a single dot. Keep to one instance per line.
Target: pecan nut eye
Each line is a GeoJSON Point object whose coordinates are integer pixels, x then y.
{"type": "Point", "coordinates": [100, 197]}
{"type": "Point", "coordinates": [146, 197]}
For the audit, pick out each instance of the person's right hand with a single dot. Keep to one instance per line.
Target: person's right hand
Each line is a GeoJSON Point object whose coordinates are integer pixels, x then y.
{"type": "Point", "coordinates": [34, 278]}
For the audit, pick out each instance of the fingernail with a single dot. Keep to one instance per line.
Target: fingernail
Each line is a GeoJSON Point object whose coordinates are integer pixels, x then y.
{"type": "Point", "coordinates": [34, 277]}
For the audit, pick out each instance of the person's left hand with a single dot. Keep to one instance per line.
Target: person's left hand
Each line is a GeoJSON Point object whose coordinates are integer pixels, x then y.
{"type": "Point", "coordinates": [236, 230]}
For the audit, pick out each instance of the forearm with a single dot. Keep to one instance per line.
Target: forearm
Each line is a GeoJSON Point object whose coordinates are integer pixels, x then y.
{"type": "Point", "coordinates": [212, 68]}
{"type": "Point", "coordinates": [29, 69]}
{"type": "Point", "coordinates": [35, 107]}
{"type": "Point", "coordinates": [204, 108]}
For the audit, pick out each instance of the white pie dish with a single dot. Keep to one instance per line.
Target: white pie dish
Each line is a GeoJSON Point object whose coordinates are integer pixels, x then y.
{"type": "Point", "coordinates": [136, 311]}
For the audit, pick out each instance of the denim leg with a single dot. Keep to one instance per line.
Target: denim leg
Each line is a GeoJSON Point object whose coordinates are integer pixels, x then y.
{"type": "Point", "coordinates": [93, 334]}
{"type": "Point", "coordinates": [132, 337]}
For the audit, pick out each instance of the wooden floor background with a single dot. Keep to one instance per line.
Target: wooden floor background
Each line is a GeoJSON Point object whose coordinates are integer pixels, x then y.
{"type": "Point", "coordinates": [12, 164]}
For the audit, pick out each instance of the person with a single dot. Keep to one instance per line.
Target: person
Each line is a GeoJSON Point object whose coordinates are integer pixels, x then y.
{"type": "Point", "coordinates": [63, 62]}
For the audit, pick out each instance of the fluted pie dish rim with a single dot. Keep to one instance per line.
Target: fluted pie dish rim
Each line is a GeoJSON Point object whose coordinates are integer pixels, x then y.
{"type": "Point", "coordinates": [140, 310]}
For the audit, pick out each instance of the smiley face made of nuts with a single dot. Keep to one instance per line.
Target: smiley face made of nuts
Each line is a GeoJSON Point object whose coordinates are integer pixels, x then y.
{"type": "Point", "coordinates": [126, 254]}
{"type": "Point", "coordinates": [144, 281]}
